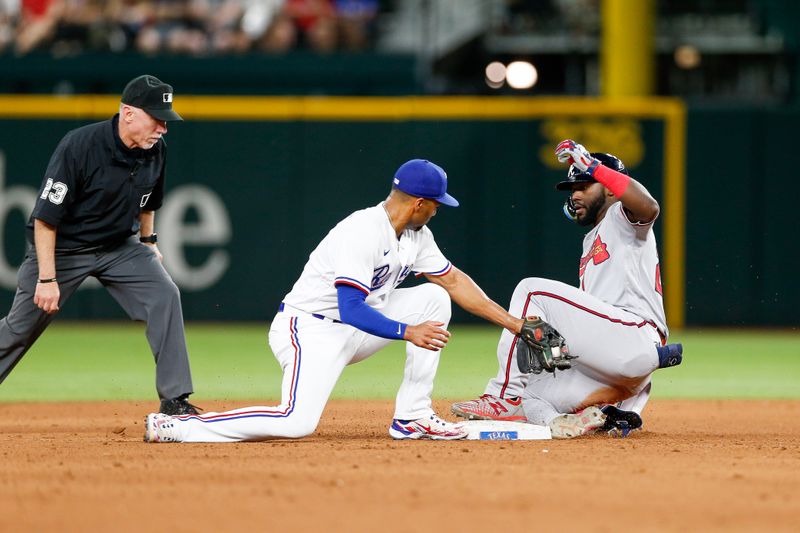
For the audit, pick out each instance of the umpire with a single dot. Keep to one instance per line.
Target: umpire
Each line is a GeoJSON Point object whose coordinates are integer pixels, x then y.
{"type": "Point", "coordinates": [102, 187]}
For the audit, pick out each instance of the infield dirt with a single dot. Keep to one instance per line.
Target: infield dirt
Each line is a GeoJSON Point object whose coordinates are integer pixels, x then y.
{"type": "Point", "coordinates": [697, 466]}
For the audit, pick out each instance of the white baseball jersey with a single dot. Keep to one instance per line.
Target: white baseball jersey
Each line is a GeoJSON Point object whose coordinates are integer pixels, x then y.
{"type": "Point", "coordinates": [363, 251]}
{"type": "Point", "coordinates": [620, 266]}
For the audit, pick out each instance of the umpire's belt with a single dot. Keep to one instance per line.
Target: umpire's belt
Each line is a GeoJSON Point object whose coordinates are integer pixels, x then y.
{"type": "Point", "coordinates": [315, 315]}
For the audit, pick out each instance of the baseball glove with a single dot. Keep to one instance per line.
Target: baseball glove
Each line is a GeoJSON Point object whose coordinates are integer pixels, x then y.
{"type": "Point", "coordinates": [541, 347]}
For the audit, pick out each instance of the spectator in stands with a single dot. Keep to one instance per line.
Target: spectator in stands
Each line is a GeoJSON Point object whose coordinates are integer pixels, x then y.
{"type": "Point", "coordinates": [223, 25]}
{"type": "Point", "coordinates": [80, 26]}
{"type": "Point", "coordinates": [127, 18]}
{"type": "Point", "coordinates": [194, 27]}
{"type": "Point", "coordinates": [37, 23]}
{"type": "Point", "coordinates": [259, 23]}
{"type": "Point", "coordinates": [315, 22]}
{"type": "Point", "coordinates": [279, 34]}
{"type": "Point", "coordinates": [302, 23]}
{"type": "Point", "coordinates": [9, 11]}
{"type": "Point", "coordinates": [177, 27]}
{"type": "Point", "coordinates": [356, 22]}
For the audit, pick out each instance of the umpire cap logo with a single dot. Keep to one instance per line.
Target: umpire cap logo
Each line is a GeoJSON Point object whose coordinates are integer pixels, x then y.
{"type": "Point", "coordinates": [167, 98]}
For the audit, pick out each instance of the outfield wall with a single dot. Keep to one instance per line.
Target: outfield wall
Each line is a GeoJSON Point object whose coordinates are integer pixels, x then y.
{"type": "Point", "coordinates": [255, 183]}
{"type": "Point", "coordinates": [742, 212]}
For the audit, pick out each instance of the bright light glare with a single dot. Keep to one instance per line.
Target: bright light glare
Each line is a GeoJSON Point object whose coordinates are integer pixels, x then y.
{"type": "Point", "coordinates": [687, 57]}
{"type": "Point", "coordinates": [495, 72]}
{"type": "Point", "coordinates": [521, 75]}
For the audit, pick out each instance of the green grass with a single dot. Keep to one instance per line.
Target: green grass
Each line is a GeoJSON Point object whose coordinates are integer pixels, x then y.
{"type": "Point", "coordinates": [82, 361]}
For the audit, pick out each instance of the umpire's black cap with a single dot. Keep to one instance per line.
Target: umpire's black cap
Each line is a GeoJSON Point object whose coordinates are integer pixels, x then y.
{"type": "Point", "coordinates": [577, 176]}
{"type": "Point", "coordinates": [151, 94]}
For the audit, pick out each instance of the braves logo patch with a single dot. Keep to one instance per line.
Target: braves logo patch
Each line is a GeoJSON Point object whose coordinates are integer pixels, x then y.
{"type": "Point", "coordinates": [597, 254]}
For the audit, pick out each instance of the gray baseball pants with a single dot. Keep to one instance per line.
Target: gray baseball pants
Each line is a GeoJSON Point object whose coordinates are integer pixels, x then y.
{"type": "Point", "coordinates": [135, 278]}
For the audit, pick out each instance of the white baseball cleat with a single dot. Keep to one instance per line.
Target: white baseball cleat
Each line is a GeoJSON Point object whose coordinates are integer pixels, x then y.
{"type": "Point", "coordinates": [577, 424]}
{"type": "Point", "coordinates": [159, 427]}
{"type": "Point", "coordinates": [489, 407]}
{"type": "Point", "coordinates": [430, 427]}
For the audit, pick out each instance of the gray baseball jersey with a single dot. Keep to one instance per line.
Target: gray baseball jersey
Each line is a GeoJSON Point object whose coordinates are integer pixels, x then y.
{"type": "Point", "coordinates": [620, 266]}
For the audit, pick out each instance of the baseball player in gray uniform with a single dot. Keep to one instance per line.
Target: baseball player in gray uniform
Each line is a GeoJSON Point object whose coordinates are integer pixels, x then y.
{"type": "Point", "coordinates": [101, 188]}
{"type": "Point", "coordinates": [613, 323]}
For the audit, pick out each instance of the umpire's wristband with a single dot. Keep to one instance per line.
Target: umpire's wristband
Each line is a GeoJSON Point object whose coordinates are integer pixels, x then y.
{"type": "Point", "coordinates": [48, 280]}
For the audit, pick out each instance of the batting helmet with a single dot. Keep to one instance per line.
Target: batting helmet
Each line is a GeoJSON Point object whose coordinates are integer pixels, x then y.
{"type": "Point", "coordinates": [577, 176]}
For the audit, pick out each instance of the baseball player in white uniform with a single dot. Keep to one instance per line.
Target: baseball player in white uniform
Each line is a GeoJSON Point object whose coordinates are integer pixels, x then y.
{"type": "Point", "coordinates": [345, 307]}
{"type": "Point", "coordinates": [614, 322]}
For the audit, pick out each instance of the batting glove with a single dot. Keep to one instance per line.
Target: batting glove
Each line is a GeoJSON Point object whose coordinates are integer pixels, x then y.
{"type": "Point", "coordinates": [568, 151]}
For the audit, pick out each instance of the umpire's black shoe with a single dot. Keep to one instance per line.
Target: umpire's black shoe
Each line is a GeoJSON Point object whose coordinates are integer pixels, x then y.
{"type": "Point", "coordinates": [618, 422]}
{"type": "Point", "coordinates": [178, 406]}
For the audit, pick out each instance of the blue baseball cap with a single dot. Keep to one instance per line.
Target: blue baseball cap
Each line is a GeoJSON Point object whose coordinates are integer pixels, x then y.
{"type": "Point", "coordinates": [423, 179]}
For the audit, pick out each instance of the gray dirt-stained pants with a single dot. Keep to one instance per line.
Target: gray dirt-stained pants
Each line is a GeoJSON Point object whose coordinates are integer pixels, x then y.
{"type": "Point", "coordinates": [135, 278]}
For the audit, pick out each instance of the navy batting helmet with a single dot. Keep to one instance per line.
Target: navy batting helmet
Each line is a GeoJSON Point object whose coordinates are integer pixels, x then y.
{"type": "Point", "coordinates": [577, 176]}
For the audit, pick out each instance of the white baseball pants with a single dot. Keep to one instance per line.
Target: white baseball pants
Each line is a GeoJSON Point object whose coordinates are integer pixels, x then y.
{"type": "Point", "coordinates": [312, 353]}
{"type": "Point", "coordinates": [616, 352]}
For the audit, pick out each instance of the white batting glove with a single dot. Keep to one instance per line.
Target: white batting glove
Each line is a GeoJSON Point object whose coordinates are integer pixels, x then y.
{"type": "Point", "coordinates": [568, 151]}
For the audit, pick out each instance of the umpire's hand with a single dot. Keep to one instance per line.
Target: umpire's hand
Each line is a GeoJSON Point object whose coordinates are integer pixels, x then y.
{"type": "Point", "coordinates": [155, 251]}
{"type": "Point", "coordinates": [47, 296]}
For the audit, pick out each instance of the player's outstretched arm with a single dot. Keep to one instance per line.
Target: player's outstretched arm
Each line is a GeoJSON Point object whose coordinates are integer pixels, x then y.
{"type": "Point", "coordinates": [470, 297]}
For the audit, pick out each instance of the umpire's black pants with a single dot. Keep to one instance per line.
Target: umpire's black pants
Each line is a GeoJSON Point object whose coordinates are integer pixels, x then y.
{"type": "Point", "coordinates": [134, 276]}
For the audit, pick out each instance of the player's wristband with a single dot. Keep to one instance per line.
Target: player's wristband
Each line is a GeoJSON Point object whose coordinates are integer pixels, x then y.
{"type": "Point", "coordinates": [614, 181]}
{"type": "Point", "coordinates": [48, 280]}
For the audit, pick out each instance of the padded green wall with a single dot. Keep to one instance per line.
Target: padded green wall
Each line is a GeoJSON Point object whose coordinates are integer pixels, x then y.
{"type": "Point", "coordinates": [284, 184]}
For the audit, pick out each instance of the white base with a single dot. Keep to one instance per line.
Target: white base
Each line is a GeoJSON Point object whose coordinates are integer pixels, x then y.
{"type": "Point", "coordinates": [496, 430]}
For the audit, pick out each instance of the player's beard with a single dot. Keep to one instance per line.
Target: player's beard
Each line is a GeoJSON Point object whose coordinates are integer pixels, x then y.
{"type": "Point", "coordinates": [590, 212]}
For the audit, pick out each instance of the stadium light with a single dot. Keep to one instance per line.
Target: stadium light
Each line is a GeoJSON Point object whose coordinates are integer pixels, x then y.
{"type": "Point", "coordinates": [495, 74]}
{"type": "Point", "coordinates": [521, 75]}
{"type": "Point", "coordinates": [687, 57]}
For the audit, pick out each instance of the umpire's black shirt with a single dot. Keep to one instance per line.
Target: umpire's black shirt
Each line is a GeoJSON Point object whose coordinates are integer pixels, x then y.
{"type": "Point", "coordinates": [95, 188]}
